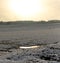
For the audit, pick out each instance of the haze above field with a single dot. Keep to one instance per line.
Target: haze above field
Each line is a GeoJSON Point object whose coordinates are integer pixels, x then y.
{"type": "Point", "coordinates": [13, 10]}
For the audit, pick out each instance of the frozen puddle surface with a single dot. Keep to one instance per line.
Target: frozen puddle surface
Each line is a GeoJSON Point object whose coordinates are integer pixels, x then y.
{"type": "Point", "coordinates": [28, 47]}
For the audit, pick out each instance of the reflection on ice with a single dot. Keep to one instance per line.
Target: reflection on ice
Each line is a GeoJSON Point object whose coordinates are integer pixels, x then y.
{"type": "Point", "coordinates": [28, 47]}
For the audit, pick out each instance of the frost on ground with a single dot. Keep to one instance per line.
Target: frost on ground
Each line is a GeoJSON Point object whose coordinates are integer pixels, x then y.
{"type": "Point", "coordinates": [45, 53]}
{"type": "Point", "coordinates": [46, 36]}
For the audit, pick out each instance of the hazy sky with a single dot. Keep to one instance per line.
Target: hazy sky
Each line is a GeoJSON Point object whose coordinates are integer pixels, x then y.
{"type": "Point", "coordinates": [29, 9]}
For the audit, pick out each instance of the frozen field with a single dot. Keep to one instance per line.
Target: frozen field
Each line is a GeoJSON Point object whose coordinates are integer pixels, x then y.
{"type": "Point", "coordinates": [44, 32]}
{"type": "Point", "coordinates": [16, 36]}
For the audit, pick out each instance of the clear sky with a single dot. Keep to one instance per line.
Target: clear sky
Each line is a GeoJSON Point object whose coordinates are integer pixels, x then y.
{"type": "Point", "coordinates": [29, 10]}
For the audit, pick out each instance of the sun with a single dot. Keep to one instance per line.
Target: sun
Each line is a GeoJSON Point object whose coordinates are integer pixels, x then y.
{"type": "Point", "coordinates": [26, 8]}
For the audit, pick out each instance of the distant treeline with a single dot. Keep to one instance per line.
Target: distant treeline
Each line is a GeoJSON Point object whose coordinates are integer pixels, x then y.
{"type": "Point", "coordinates": [28, 22]}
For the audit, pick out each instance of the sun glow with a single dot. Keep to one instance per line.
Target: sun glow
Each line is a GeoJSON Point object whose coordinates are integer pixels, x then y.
{"type": "Point", "coordinates": [26, 8]}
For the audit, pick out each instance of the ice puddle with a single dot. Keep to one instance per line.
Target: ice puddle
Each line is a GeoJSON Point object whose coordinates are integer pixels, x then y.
{"type": "Point", "coordinates": [28, 47]}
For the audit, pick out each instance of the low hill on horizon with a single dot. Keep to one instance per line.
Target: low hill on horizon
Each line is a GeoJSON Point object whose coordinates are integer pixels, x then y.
{"type": "Point", "coordinates": [28, 22]}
